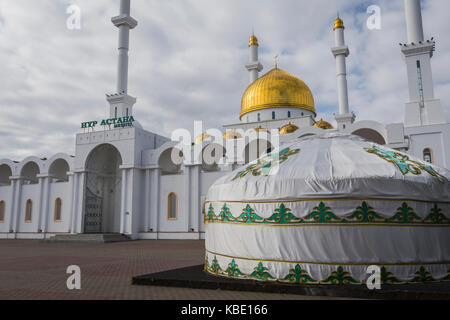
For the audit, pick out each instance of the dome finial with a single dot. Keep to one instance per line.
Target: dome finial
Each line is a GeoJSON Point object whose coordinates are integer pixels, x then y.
{"type": "Point", "coordinates": [253, 41]}
{"type": "Point", "coordinates": [338, 23]}
{"type": "Point", "coordinates": [276, 61]}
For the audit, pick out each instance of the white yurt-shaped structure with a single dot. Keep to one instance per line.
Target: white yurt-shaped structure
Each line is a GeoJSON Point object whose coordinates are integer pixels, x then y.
{"type": "Point", "coordinates": [323, 209]}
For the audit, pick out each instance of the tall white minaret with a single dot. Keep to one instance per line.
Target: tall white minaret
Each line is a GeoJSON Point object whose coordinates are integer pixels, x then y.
{"type": "Point", "coordinates": [422, 108]}
{"type": "Point", "coordinates": [254, 67]}
{"type": "Point", "coordinates": [121, 104]}
{"type": "Point", "coordinates": [341, 52]}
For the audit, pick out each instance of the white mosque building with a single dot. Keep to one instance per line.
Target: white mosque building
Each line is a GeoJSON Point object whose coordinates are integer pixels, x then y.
{"type": "Point", "coordinates": [124, 179]}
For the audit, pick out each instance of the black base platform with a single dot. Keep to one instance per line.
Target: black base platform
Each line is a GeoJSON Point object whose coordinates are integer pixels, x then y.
{"type": "Point", "coordinates": [194, 277]}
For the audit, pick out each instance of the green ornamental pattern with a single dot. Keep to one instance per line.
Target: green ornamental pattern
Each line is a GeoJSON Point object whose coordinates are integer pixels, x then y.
{"type": "Point", "coordinates": [299, 276]}
{"type": "Point", "coordinates": [387, 277]}
{"type": "Point", "coordinates": [264, 165]}
{"type": "Point", "coordinates": [404, 163]}
{"type": "Point", "coordinates": [261, 273]}
{"type": "Point", "coordinates": [340, 277]}
{"type": "Point", "coordinates": [405, 214]}
{"type": "Point", "coordinates": [365, 213]}
{"type": "Point", "coordinates": [436, 216]}
{"type": "Point", "coordinates": [322, 214]}
{"type": "Point", "coordinates": [422, 276]}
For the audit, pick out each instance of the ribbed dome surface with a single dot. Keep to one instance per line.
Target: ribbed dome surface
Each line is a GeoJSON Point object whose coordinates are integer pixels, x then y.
{"type": "Point", "coordinates": [277, 89]}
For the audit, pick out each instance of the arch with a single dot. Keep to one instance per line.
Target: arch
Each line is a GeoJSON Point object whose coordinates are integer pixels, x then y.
{"type": "Point", "coordinates": [5, 173]}
{"type": "Point", "coordinates": [58, 170]}
{"type": "Point", "coordinates": [57, 213]}
{"type": "Point", "coordinates": [427, 154]}
{"type": "Point", "coordinates": [370, 135]}
{"type": "Point", "coordinates": [170, 161]}
{"type": "Point", "coordinates": [29, 172]}
{"type": "Point", "coordinates": [172, 206]}
{"type": "Point", "coordinates": [2, 210]}
{"type": "Point", "coordinates": [103, 194]}
{"type": "Point", "coordinates": [255, 149]}
{"type": "Point", "coordinates": [212, 154]}
{"type": "Point", "coordinates": [29, 211]}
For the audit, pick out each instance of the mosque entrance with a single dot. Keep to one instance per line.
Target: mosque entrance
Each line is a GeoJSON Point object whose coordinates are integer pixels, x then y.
{"type": "Point", "coordinates": [103, 191]}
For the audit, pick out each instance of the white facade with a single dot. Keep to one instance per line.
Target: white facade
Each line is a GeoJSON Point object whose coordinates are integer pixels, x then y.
{"type": "Point", "coordinates": [124, 180]}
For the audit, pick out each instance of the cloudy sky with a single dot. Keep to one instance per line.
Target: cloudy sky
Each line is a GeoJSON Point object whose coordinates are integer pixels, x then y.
{"type": "Point", "coordinates": [187, 62]}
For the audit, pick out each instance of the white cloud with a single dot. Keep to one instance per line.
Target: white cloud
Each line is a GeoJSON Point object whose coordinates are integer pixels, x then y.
{"type": "Point", "coordinates": [187, 62]}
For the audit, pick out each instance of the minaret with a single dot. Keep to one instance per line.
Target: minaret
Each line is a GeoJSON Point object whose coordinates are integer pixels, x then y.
{"type": "Point", "coordinates": [254, 67]}
{"type": "Point", "coordinates": [422, 108]}
{"type": "Point", "coordinates": [341, 52]}
{"type": "Point", "coordinates": [121, 104]}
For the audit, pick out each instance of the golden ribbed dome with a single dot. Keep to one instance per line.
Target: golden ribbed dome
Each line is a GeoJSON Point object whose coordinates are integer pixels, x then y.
{"type": "Point", "coordinates": [338, 23]}
{"type": "Point", "coordinates": [277, 89]}
{"type": "Point", "coordinates": [202, 137]}
{"type": "Point", "coordinates": [323, 124]}
{"type": "Point", "coordinates": [289, 128]}
{"type": "Point", "coordinates": [232, 134]}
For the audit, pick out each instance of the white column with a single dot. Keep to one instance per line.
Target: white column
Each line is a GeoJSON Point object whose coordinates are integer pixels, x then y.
{"type": "Point", "coordinates": [121, 104]}
{"type": "Point", "coordinates": [146, 197]}
{"type": "Point", "coordinates": [196, 210]}
{"type": "Point", "coordinates": [414, 24]}
{"type": "Point", "coordinates": [79, 209]}
{"type": "Point", "coordinates": [123, 202]}
{"type": "Point", "coordinates": [43, 203]}
{"type": "Point", "coordinates": [155, 178]}
{"type": "Point", "coordinates": [72, 202]}
{"type": "Point", "coordinates": [16, 184]}
{"type": "Point", "coordinates": [341, 52]}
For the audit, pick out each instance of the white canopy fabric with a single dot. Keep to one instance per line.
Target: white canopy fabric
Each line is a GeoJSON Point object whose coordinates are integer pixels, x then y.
{"type": "Point", "coordinates": [324, 209]}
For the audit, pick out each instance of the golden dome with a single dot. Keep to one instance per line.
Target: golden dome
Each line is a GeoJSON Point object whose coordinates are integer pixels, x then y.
{"type": "Point", "coordinates": [289, 128]}
{"type": "Point", "coordinates": [232, 134]}
{"type": "Point", "coordinates": [253, 41]}
{"type": "Point", "coordinates": [323, 124]}
{"type": "Point", "coordinates": [261, 129]}
{"type": "Point", "coordinates": [202, 137]}
{"type": "Point", "coordinates": [277, 89]}
{"type": "Point", "coordinates": [338, 23]}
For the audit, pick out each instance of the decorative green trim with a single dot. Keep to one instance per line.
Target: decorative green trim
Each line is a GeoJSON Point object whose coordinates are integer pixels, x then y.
{"type": "Point", "coordinates": [436, 216]}
{"type": "Point", "coordinates": [215, 267]}
{"type": "Point", "coordinates": [206, 265]}
{"type": "Point", "coordinates": [387, 277]}
{"type": "Point", "coordinates": [298, 275]}
{"type": "Point", "coordinates": [340, 277]}
{"type": "Point", "coordinates": [405, 214]}
{"type": "Point", "coordinates": [264, 165]}
{"type": "Point", "coordinates": [328, 263]}
{"type": "Point", "coordinates": [248, 215]}
{"type": "Point", "coordinates": [323, 215]}
{"type": "Point", "coordinates": [422, 276]}
{"type": "Point", "coordinates": [225, 214]}
{"type": "Point", "coordinates": [261, 273]}
{"type": "Point", "coordinates": [233, 270]}
{"type": "Point", "coordinates": [404, 163]}
{"type": "Point", "coordinates": [282, 215]}
{"type": "Point", "coordinates": [365, 213]}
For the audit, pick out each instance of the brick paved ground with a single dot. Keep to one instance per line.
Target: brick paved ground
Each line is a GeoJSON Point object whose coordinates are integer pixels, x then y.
{"type": "Point", "coordinates": [32, 269]}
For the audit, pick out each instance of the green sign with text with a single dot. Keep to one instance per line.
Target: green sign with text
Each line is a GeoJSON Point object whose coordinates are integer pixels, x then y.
{"type": "Point", "coordinates": [115, 122]}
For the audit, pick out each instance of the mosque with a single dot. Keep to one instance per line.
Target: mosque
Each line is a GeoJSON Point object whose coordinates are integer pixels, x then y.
{"type": "Point", "coordinates": [126, 180]}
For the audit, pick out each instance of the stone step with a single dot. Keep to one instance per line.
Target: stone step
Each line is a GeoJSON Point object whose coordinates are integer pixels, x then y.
{"type": "Point", "coordinates": [89, 237]}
